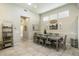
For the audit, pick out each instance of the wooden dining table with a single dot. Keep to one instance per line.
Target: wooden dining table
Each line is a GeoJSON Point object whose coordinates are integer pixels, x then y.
{"type": "Point", "coordinates": [54, 38]}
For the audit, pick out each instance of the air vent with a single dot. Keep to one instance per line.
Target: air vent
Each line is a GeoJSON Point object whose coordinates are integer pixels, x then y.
{"type": "Point", "coordinates": [25, 10]}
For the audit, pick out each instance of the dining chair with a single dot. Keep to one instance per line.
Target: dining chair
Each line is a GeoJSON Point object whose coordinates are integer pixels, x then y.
{"type": "Point", "coordinates": [39, 37]}
{"type": "Point", "coordinates": [41, 40]}
{"type": "Point", "coordinates": [50, 34]}
{"type": "Point", "coordinates": [34, 37]}
{"type": "Point", "coordinates": [48, 42]}
{"type": "Point", "coordinates": [63, 42]}
{"type": "Point", "coordinates": [1, 45]}
{"type": "Point", "coordinates": [43, 37]}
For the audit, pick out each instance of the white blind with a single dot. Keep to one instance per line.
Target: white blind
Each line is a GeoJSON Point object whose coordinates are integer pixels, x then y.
{"type": "Point", "coordinates": [54, 16]}
{"type": "Point", "coordinates": [63, 14]}
{"type": "Point", "coordinates": [58, 15]}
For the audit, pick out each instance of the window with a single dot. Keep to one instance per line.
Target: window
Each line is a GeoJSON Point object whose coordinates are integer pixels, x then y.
{"type": "Point", "coordinates": [54, 16]}
{"type": "Point", "coordinates": [57, 15]}
{"type": "Point", "coordinates": [63, 14]}
{"type": "Point", "coordinates": [45, 18]}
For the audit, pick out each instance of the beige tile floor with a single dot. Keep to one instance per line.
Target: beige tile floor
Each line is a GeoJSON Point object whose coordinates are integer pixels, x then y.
{"type": "Point", "coordinates": [28, 48]}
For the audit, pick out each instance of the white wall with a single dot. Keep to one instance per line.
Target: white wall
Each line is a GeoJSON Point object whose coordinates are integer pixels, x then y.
{"type": "Point", "coordinates": [78, 30]}
{"type": "Point", "coordinates": [69, 24]}
{"type": "Point", "coordinates": [11, 13]}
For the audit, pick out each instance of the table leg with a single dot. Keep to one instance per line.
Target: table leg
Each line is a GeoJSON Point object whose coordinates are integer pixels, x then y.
{"type": "Point", "coordinates": [57, 45]}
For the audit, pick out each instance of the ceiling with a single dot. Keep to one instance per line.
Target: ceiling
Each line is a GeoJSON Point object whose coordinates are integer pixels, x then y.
{"type": "Point", "coordinates": [41, 7]}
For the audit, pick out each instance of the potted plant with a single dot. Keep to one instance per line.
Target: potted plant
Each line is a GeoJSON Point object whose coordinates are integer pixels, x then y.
{"type": "Point", "coordinates": [45, 32]}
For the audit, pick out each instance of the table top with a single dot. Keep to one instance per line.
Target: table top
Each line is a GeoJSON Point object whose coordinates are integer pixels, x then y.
{"type": "Point", "coordinates": [54, 37]}
{"type": "Point", "coordinates": [51, 37]}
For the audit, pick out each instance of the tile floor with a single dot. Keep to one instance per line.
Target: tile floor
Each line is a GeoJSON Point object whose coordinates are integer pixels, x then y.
{"type": "Point", "coordinates": [28, 48]}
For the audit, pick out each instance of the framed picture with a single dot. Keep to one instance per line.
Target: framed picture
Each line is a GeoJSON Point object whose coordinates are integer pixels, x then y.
{"type": "Point", "coordinates": [35, 27]}
{"type": "Point", "coordinates": [53, 25]}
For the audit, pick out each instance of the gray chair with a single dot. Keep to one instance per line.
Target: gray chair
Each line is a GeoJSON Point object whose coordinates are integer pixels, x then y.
{"type": "Point", "coordinates": [1, 46]}
{"type": "Point", "coordinates": [35, 37]}
{"type": "Point", "coordinates": [48, 42]}
{"type": "Point", "coordinates": [43, 37]}
{"type": "Point", "coordinates": [63, 42]}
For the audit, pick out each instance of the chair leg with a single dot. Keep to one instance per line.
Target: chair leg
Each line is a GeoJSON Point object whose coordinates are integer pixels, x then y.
{"type": "Point", "coordinates": [45, 44]}
{"type": "Point", "coordinates": [64, 47]}
{"type": "Point", "coordinates": [38, 42]}
{"type": "Point", "coordinates": [60, 45]}
{"type": "Point", "coordinates": [1, 46]}
{"type": "Point", "coordinates": [34, 40]}
{"type": "Point", "coordinates": [42, 43]}
{"type": "Point", "coordinates": [48, 45]}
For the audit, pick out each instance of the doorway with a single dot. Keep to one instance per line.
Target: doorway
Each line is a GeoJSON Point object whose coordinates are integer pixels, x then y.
{"type": "Point", "coordinates": [24, 27]}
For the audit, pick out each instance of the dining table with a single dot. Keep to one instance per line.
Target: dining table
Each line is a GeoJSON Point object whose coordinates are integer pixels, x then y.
{"type": "Point", "coordinates": [52, 38]}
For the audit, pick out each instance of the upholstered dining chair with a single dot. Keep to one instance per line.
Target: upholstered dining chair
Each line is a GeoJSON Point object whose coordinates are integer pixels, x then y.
{"type": "Point", "coordinates": [63, 42]}
{"type": "Point", "coordinates": [35, 37]}
{"type": "Point", "coordinates": [41, 39]}
{"type": "Point", "coordinates": [48, 42]}
{"type": "Point", "coordinates": [1, 46]}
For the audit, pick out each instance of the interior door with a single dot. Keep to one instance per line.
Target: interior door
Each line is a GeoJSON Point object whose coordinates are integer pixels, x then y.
{"type": "Point", "coordinates": [24, 27]}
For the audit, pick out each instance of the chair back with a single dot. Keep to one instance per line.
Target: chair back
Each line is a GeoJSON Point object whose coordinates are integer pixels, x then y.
{"type": "Point", "coordinates": [64, 40]}
{"type": "Point", "coordinates": [35, 34]}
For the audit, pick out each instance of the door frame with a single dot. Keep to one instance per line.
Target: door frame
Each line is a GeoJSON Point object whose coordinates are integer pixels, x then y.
{"type": "Point", "coordinates": [27, 20]}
